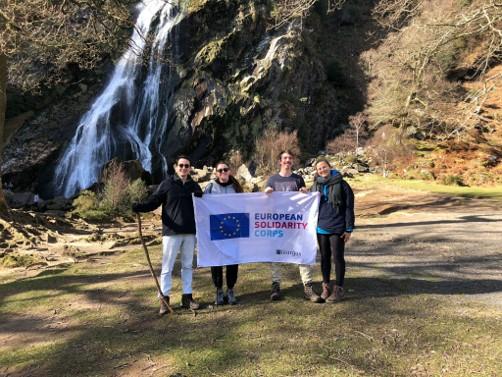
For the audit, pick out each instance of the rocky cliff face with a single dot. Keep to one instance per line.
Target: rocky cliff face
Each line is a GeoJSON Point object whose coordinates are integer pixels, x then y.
{"type": "Point", "coordinates": [243, 79]}
{"type": "Point", "coordinates": [235, 78]}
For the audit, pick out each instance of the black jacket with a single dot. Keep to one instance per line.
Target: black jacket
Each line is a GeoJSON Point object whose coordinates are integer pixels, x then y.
{"type": "Point", "coordinates": [177, 205]}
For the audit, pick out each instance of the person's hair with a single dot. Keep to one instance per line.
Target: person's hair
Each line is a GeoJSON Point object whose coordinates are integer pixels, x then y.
{"type": "Point", "coordinates": [288, 151]}
{"type": "Point", "coordinates": [322, 159]}
{"type": "Point", "coordinates": [231, 178]}
{"type": "Point", "coordinates": [181, 156]}
{"type": "Point", "coordinates": [221, 163]}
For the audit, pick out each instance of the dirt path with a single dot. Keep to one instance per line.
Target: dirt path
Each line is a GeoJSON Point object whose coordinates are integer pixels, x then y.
{"type": "Point", "coordinates": [435, 244]}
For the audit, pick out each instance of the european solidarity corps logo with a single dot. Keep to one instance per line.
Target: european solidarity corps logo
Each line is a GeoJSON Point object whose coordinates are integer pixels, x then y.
{"type": "Point", "coordinates": [229, 225]}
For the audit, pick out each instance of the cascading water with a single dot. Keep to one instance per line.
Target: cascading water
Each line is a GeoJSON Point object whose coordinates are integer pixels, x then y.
{"type": "Point", "coordinates": [129, 118]}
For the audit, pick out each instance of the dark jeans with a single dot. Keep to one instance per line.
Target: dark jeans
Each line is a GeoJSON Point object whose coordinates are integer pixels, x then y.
{"type": "Point", "coordinates": [217, 274]}
{"type": "Point", "coordinates": [332, 244]}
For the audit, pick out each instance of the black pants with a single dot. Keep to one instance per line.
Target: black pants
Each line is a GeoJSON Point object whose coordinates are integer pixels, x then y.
{"type": "Point", "coordinates": [332, 244]}
{"type": "Point", "coordinates": [217, 274]}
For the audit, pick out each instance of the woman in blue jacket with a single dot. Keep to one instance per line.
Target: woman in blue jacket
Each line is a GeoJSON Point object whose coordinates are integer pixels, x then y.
{"type": "Point", "coordinates": [334, 227]}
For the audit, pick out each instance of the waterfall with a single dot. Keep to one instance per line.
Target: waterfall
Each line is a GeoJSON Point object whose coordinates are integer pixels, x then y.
{"type": "Point", "coordinates": [129, 118]}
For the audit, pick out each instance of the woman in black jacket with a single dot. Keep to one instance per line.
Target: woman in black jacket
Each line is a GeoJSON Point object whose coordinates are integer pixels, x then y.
{"type": "Point", "coordinates": [334, 227]}
{"type": "Point", "coordinates": [178, 228]}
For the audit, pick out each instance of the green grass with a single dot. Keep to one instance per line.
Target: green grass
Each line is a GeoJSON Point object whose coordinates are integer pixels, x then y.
{"type": "Point", "coordinates": [369, 181]}
{"type": "Point", "coordinates": [98, 319]}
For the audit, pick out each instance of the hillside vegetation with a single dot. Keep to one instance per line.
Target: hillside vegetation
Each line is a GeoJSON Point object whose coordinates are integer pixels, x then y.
{"type": "Point", "coordinates": [426, 78]}
{"type": "Point", "coordinates": [438, 78]}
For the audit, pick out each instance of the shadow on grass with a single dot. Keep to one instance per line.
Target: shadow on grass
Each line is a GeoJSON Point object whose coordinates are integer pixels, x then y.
{"type": "Point", "coordinates": [225, 340]}
{"type": "Point", "coordinates": [256, 336]}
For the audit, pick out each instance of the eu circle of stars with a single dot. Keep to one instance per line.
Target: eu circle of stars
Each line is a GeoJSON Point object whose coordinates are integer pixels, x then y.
{"type": "Point", "coordinates": [229, 225]}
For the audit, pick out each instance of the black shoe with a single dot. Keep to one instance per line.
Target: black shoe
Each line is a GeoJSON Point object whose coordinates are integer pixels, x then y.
{"type": "Point", "coordinates": [276, 291]}
{"type": "Point", "coordinates": [187, 302]}
{"type": "Point", "coordinates": [231, 297]}
{"type": "Point", "coordinates": [220, 297]}
{"type": "Point", "coordinates": [163, 307]}
{"type": "Point", "coordinates": [310, 294]}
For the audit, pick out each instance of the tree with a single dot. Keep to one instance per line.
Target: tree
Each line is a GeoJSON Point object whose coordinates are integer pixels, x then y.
{"type": "Point", "coordinates": [415, 84]}
{"type": "Point", "coordinates": [288, 10]}
{"type": "Point", "coordinates": [49, 35]}
{"type": "Point", "coordinates": [358, 122]}
{"type": "Point", "coordinates": [3, 106]}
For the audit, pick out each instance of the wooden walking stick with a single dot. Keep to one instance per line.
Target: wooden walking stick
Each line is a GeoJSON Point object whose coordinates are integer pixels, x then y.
{"type": "Point", "coordinates": [138, 216]}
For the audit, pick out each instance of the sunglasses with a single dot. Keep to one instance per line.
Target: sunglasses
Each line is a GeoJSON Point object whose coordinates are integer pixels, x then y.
{"type": "Point", "coordinates": [186, 166]}
{"type": "Point", "coordinates": [222, 170]}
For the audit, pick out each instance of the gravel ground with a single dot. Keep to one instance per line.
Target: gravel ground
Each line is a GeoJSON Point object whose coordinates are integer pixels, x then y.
{"type": "Point", "coordinates": [453, 248]}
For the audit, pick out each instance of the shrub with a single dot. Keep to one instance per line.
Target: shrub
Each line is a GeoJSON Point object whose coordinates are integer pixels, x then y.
{"type": "Point", "coordinates": [451, 180]}
{"type": "Point", "coordinates": [20, 260]}
{"type": "Point", "coordinates": [270, 145]}
{"type": "Point", "coordinates": [234, 159]}
{"type": "Point", "coordinates": [341, 144]}
{"type": "Point", "coordinates": [115, 189]}
{"type": "Point", "coordinates": [85, 203]}
{"type": "Point", "coordinates": [136, 191]}
{"type": "Point", "coordinates": [115, 199]}
{"type": "Point", "coordinates": [390, 150]}
{"type": "Point", "coordinates": [353, 136]}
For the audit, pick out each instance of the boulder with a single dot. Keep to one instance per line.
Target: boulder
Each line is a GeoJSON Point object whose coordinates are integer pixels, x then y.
{"type": "Point", "coordinates": [19, 199]}
{"type": "Point", "coordinates": [51, 238]}
{"type": "Point", "coordinates": [243, 173]}
{"type": "Point", "coordinates": [132, 169]}
{"type": "Point", "coordinates": [362, 168]}
{"type": "Point", "coordinates": [256, 184]}
{"type": "Point", "coordinates": [59, 203]}
{"type": "Point", "coordinates": [200, 175]}
{"type": "Point", "coordinates": [349, 172]}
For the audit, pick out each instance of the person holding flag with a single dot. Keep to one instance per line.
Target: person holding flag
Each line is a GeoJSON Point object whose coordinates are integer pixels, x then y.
{"type": "Point", "coordinates": [178, 228]}
{"type": "Point", "coordinates": [225, 183]}
{"type": "Point", "coordinates": [334, 227]}
{"type": "Point", "coordinates": [286, 180]}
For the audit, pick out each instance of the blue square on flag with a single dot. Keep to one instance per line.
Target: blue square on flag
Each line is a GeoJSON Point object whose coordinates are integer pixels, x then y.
{"type": "Point", "coordinates": [229, 225]}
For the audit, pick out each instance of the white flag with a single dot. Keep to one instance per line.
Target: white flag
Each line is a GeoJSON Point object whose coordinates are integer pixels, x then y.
{"type": "Point", "coordinates": [256, 227]}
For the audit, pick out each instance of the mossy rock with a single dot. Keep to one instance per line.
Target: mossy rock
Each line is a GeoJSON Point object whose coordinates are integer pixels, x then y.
{"type": "Point", "coordinates": [193, 6]}
{"type": "Point", "coordinates": [209, 53]}
{"type": "Point", "coordinates": [452, 180]}
{"type": "Point", "coordinates": [425, 146]}
{"type": "Point", "coordinates": [17, 260]}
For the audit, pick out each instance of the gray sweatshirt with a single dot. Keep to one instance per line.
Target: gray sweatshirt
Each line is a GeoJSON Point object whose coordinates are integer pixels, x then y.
{"type": "Point", "coordinates": [215, 188]}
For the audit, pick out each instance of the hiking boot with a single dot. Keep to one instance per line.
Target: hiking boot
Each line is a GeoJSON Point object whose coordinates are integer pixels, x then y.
{"type": "Point", "coordinates": [310, 294]}
{"type": "Point", "coordinates": [231, 297]}
{"type": "Point", "coordinates": [220, 298]}
{"type": "Point", "coordinates": [187, 302]}
{"type": "Point", "coordinates": [276, 291]}
{"type": "Point", "coordinates": [163, 307]}
{"type": "Point", "coordinates": [325, 291]}
{"type": "Point", "coordinates": [339, 293]}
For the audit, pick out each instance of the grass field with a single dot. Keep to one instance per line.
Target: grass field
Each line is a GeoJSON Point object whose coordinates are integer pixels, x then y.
{"type": "Point", "coordinates": [485, 192]}
{"type": "Point", "coordinates": [408, 312]}
{"type": "Point", "coordinates": [99, 319]}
